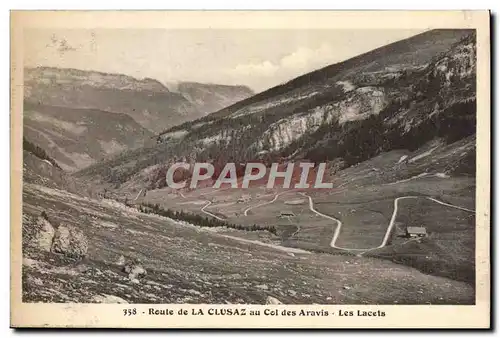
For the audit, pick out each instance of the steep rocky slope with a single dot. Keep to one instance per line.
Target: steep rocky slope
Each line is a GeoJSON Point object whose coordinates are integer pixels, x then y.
{"type": "Point", "coordinates": [76, 138]}
{"type": "Point", "coordinates": [397, 97]}
{"type": "Point", "coordinates": [37, 170]}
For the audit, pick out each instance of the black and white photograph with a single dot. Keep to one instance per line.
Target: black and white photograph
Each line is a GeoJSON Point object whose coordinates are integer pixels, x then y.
{"type": "Point", "coordinates": [236, 166]}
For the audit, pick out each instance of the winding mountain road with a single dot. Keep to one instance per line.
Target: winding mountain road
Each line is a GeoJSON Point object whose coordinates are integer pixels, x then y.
{"type": "Point", "coordinates": [209, 213]}
{"type": "Point", "coordinates": [208, 203]}
{"type": "Point", "coordinates": [337, 221]}
{"type": "Point", "coordinates": [245, 212]}
{"type": "Point", "coordinates": [389, 227]}
{"type": "Point", "coordinates": [136, 197]}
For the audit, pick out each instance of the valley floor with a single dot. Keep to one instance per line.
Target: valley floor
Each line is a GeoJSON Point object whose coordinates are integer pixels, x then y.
{"type": "Point", "coordinates": [190, 264]}
{"type": "Point", "coordinates": [341, 246]}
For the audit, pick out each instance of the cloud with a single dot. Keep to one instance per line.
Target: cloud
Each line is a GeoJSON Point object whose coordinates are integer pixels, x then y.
{"type": "Point", "coordinates": [266, 68]}
{"type": "Point", "coordinates": [300, 61]}
{"type": "Point", "coordinates": [305, 58]}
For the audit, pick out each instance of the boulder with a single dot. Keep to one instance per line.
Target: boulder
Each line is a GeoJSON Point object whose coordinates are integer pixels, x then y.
{"type": "Point", "coordinates": [134, 271]}
{"type": "Point", "coordinates": [108, 299]}
{"type": "Point", "coordinates": [121, 261]}
{"type": "Point", "coordinates": [272, 301]}
{"type": "Point", "coordinates": [70, 241]}
{"type": "Point", "coordinates": [44, 234]}
{"type": "Point", "coordinates": [34, 281]}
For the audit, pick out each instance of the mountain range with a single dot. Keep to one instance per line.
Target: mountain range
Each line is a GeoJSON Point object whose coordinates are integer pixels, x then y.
{"type": "Point", "coordinates": [400, 96]}
{"type": "Point", "coordinates": [81, 117]}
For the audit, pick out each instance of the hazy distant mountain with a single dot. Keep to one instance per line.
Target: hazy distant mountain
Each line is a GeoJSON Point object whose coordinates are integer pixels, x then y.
{"type": "Point", "coordinates": [212, 97]}
{"type": "Point", "coordinates": [147, 101]}
{"type": "Point", "coordinates": [80, 117]}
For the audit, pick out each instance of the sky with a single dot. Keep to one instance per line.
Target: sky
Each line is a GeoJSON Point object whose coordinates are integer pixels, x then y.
{"type": "Point", "coordinates": [259, 59]}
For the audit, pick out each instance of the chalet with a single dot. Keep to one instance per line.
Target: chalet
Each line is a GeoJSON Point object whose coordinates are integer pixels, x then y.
{"type": "Point", "coordinates": [414, 232]}
{"type": "Point", "coordinates": [287, 214]}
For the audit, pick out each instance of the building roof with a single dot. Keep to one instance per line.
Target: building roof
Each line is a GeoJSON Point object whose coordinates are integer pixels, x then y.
{"type": "Point", "coordinates": [416, 230]}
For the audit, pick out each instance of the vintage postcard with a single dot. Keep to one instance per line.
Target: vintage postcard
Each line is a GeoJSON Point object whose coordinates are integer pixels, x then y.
{"type": "Point", "coordinates": [206, 169]}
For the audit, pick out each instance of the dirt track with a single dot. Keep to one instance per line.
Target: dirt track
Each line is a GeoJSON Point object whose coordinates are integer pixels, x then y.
{"type": "Point", "coordinates": [389, 227]}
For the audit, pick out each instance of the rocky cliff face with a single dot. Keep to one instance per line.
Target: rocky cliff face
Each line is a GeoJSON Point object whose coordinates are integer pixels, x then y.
{"type": "Point", "coordinates": [79, 78]}
{"type": "Point", "coordinates": [358, 104]}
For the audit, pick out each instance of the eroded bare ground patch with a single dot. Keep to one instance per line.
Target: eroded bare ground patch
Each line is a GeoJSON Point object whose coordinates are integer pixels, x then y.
{"type": "Point", "coordinates": [188, 264]}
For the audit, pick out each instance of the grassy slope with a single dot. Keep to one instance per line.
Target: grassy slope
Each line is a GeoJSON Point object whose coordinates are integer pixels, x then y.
{"type": "Point", "coordinates": [449, 249]}
{"type": "Point", "coordinates": [365, 205]}
{"type": "Point", "coordinates": [79, 137]}
{"type": "Point", "coordinates": [188, 264]}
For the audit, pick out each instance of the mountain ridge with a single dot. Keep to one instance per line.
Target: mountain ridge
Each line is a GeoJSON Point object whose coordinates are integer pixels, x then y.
{"type": "Point", "coordinates": [371, 108]}
{"type": "Point", "coordinates": [147, 100]}
{"type": "Point", "coordinates": [78, 116]}
{"type": "Point", "coordinates": [331, 70]}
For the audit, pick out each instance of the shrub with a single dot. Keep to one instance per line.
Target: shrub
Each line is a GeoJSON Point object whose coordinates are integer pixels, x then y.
{"type": "Point", "coordinates": [201, 220]}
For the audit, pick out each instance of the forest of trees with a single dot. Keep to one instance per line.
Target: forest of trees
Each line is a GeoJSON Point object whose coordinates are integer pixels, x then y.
{"type": "Point", "coordinates": [358, 141]}
{"type": "Point", "coordinates": [201, 220]}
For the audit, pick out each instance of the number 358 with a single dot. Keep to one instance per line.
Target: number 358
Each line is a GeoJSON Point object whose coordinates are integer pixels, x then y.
{"type": "Point", "coordinates": [129, 312]}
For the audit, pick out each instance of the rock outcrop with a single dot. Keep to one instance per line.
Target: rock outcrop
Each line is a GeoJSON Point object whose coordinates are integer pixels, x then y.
{"type": "Point", "coordinates": [272, 301]}
{"type": "Point", "coordinates": [44, 234]}
{"type": "Point", "coordinates": [121, 261]}
{"type": "Point", "coordinates": [135, 271]}
{"type": "Point", "coordinates": [108, 299]}
{"type": "Point", "coordinates": [70, 241]}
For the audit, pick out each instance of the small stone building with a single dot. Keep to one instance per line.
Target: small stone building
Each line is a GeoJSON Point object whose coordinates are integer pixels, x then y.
{"type": "Point", "coordinates": [286, 214]}
{"type": "Point", "coordinates": [414, 232]}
